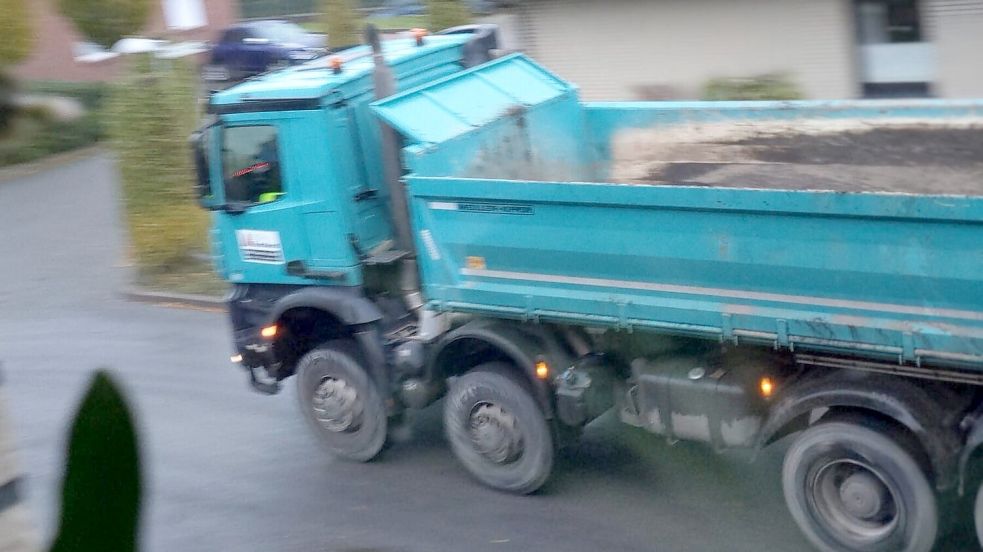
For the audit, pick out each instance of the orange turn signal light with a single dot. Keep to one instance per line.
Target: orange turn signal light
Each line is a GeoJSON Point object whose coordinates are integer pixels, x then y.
{"type": "Point", "coordinates": [766, 386]}
{"type": "Point", "coordinates": [335, 63]}
{"type": "Point", "coordinates": [542, 369]}
{"type": "Point", "coordinates": [269, 332]}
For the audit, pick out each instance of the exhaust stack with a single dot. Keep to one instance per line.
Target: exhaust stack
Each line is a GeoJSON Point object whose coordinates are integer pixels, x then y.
{"type": "Point", "coordinates": [384, 85]}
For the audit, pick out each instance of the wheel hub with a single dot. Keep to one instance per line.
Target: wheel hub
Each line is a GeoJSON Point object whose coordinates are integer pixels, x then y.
{"type": "Point", "coordinates": [863, 495]}
{"type": "Point", "coordinates": [855, 500]}
{"type": "Point", "coordinates": [495, 433]}
{"type": "Point", "coordinates": [337, 405]}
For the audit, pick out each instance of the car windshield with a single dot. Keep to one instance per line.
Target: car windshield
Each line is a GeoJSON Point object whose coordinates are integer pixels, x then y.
{"type": "Point", "coordinates": [281, 31]}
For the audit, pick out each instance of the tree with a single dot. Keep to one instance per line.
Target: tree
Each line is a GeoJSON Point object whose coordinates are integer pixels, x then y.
{"type": "Point", "coordinates": [15, 28]}
{"type": "Point", "coordinates": [106, 21]}
{"type": "Point", "coordinates": [341, 22]}
{"type": "Point", "coordinates": [443, 14]}
{"type": "Point", "coordinates": [15, 43]}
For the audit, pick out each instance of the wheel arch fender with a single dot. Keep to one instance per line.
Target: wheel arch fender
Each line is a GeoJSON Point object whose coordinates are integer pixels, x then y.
{"type": "Point", "coordinates": [355, 316]}
{"type": "Point", "coordinates": [349, 308]}
{"type": "Point", "coordinates": [519, 344]}
{"type": "Point", "coordinates": [897, 399]}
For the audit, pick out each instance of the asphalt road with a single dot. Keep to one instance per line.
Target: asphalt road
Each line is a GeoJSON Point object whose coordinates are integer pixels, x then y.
{"type": "Point", "coordinates": [227, 469]}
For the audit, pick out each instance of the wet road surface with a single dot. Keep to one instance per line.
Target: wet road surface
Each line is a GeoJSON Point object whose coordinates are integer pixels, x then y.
{"type": "Point", "coordinates": [228, 469]}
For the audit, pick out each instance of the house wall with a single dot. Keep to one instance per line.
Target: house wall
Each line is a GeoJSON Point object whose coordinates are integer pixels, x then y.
{"type": "Point", "coordinates": [652, 49]}
{"type": "Point", "coordinates": [956, 27]}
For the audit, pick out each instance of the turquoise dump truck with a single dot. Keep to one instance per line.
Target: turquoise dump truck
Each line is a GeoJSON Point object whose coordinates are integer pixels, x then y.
{"type": "Point", "coordinates": [420, 219]}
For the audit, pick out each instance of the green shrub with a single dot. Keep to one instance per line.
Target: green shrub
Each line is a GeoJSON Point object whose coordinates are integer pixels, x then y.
{"type": "Point", "coordinates": [341, 22]}
{"type": "Point", "coordinates": [90, 94]}
{"type": "Point", "coordinates": [443, 14]}
{"type": "Point", "coordinates": [106, 21]}
{"type": "Point", "coordinates": [7, 110]}
{"type": "Point", "coordinates": [773, 86]}
{"type": "Point", "coordinates": [16, 39]}
{"type": "Point", "coordinates": [15, 28]}
{"type": "Point", "coordinates": [150, 114]}
{"type": "Point", "coordinates": [34, 133]}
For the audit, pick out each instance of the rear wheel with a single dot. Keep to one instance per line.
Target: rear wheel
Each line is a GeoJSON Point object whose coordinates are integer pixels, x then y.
{"type": "Point", "coordinates": [498, 431]}
{"type": "Point", "coordinates": [341, 402]}
{"type": "Point", "coordinates": [851, 488]}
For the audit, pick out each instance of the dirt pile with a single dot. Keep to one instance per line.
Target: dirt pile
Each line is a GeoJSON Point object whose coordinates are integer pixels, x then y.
{"type": "Point", "coordinates": [851, 155]}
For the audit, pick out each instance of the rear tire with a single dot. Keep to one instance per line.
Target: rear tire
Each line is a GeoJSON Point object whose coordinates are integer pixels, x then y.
{"type": "Point", "coordinates": [851, 488]}
{"type": "Point", "coordinates": [498, 431]}
{"type": "Point", "coordinates": [341, 402]}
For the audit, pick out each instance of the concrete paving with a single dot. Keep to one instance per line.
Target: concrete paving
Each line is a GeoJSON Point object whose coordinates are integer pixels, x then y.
{"type": "Point", "coordinates": [227, 469]}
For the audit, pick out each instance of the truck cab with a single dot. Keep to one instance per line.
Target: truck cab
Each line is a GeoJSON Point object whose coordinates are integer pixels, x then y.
{"type": "Point", "coordinates": [295, 154]}
{"type": "Point", "coordinates": [292, 167]}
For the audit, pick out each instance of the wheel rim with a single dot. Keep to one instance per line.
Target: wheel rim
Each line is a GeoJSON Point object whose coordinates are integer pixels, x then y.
{"type": "Point", "coordinates": [495, 433]}
{"type": "Point", "coordinates": [337, 405]}
{"type": "Point", "coordinates": [855, 501]}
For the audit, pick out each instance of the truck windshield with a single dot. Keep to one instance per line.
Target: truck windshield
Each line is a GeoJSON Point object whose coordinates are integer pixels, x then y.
{"type": "Point", "coordinates": [250, 165]}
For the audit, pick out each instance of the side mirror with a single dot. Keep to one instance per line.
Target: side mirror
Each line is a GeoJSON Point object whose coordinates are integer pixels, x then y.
{"type": "Point", "coordinates": [203, 184]}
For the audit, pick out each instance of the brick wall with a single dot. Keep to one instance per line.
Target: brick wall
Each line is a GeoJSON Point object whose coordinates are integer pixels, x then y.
{"type": "Point", "coordinates": [53, 57]}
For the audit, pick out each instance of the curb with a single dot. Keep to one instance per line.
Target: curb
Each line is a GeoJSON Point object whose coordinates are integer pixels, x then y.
{"type": "Point", "coordinates": [22, 170]}
{"type": "Point", "coordinates": [165, 298]}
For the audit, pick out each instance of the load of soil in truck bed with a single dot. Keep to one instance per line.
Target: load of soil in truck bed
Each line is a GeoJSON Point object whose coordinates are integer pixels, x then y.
{"type": "Point", "coordinates": [859, 156]}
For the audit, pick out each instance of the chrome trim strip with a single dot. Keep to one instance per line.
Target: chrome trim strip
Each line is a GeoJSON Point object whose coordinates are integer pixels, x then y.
{"type": "Point", "coordinates": [723, 293]}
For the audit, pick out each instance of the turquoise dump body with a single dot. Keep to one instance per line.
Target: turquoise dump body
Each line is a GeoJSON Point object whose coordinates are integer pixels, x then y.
{"type": "Point", "coordinates": [512, 218]}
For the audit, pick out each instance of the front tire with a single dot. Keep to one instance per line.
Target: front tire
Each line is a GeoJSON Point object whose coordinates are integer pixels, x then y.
{"type": "Point", "coordinates": [341, 402]}
{"type": "Point", "coordinates": [853, 489]}
{"type": "Point", "coordinates": [498, 431]}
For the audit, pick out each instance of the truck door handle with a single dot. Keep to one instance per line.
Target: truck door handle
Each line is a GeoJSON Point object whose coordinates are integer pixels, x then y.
{"type": "Point", "coordinates": [366, 194]}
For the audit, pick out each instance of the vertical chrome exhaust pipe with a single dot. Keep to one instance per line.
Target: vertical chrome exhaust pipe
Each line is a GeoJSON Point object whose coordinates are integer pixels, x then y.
{"type": "Point", "coordinates": [384, 85]}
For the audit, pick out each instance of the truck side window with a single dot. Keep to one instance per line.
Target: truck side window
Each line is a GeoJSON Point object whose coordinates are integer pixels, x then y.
{"type": "Point", "coordinates": [251, 164]}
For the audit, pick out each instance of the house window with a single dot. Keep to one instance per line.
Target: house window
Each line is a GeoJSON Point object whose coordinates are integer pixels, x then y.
{"type": "Point", "coordinates": [182, 15]}
{"type": "Point", "coordinates": [888, 21]}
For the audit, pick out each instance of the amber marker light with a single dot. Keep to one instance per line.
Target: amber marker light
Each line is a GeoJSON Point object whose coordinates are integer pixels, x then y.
{"type": "Point", "coordinates": [767, 387]}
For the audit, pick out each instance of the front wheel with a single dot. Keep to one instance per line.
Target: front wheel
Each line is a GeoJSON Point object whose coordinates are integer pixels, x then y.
{"type": "Point", "coordinates": [497, 430]}
{"type": "Point", "coordinates": [341, 402]}
{"type": "Point", "coordinates": [853, 489]}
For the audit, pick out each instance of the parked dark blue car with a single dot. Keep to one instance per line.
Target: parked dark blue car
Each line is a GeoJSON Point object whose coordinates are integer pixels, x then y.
{"type": "Point", "coordinates": [256, 46]}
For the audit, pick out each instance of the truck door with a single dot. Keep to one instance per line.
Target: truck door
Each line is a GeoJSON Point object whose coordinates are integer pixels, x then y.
{"type": "Point", "coordinates": [367, 202]}
{"type": "Point", "coordinates": [276, 202]}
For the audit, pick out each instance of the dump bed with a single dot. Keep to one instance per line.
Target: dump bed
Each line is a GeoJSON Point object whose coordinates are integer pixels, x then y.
{"type": "Point", "coordinates": [512, 218]}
